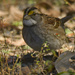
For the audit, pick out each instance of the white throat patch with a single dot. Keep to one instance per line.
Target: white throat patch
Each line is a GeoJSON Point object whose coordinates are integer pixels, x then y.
{"type": "Point", "coordinates": [29, 22]}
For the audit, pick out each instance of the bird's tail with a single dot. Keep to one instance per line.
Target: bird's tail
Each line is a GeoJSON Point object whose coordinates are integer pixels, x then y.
{"type": "Point", "coordinates": [65, 19]}
{"type": "Point", "coordinates": [68, 17]}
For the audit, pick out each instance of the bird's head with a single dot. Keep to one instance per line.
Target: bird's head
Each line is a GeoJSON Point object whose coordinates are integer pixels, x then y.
{"type": "Point", "coordinates": [31, 16]}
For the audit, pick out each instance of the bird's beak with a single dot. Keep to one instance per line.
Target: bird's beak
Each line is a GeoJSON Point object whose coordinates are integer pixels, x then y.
{"type": "Point", "coordinates": [27, 17]}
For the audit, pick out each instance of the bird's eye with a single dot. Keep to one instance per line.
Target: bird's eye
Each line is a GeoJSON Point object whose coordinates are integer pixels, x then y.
{"type": "Point", "coordinates": [31, 12]}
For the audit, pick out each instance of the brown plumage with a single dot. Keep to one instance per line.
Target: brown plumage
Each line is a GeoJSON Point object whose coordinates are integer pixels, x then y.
{"type": "Point", "coordinates": [39, 28]}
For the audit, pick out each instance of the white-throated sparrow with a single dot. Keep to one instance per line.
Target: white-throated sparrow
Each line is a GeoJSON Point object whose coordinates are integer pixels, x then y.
{"type": "Point", "coordinates": [39, 28]}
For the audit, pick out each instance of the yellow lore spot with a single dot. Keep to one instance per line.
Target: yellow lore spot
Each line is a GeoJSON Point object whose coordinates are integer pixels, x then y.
{"type": "Point", "coordinates": [30, 13]}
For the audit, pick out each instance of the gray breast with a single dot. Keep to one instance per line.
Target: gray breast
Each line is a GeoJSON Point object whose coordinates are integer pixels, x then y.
{"type": "Point", "coordinates": [31, 38]}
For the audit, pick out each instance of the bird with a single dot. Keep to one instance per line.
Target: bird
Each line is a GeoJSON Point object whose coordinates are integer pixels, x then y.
{"type": "Point", "coordinates": [39, 28]}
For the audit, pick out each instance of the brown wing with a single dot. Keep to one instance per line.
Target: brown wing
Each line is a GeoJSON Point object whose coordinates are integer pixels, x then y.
{"type": "Point", "coordinates": [54, 26]}
{"type": "Point", "coordinates": [55, 22]}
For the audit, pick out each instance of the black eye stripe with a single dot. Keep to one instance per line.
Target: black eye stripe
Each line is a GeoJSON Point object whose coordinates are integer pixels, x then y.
{"type": "Point", "coordinates": [27, 10]}
{"type": "Point", "coordinates": [33, 8]}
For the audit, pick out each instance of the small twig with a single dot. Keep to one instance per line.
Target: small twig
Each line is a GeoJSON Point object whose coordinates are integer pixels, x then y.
{"type": "Point", "coordinates": [68, 4]}
{"type": "Point", "coordinates": [1, 23]}
{"type": "Point", "coordinates": [74, 40]}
